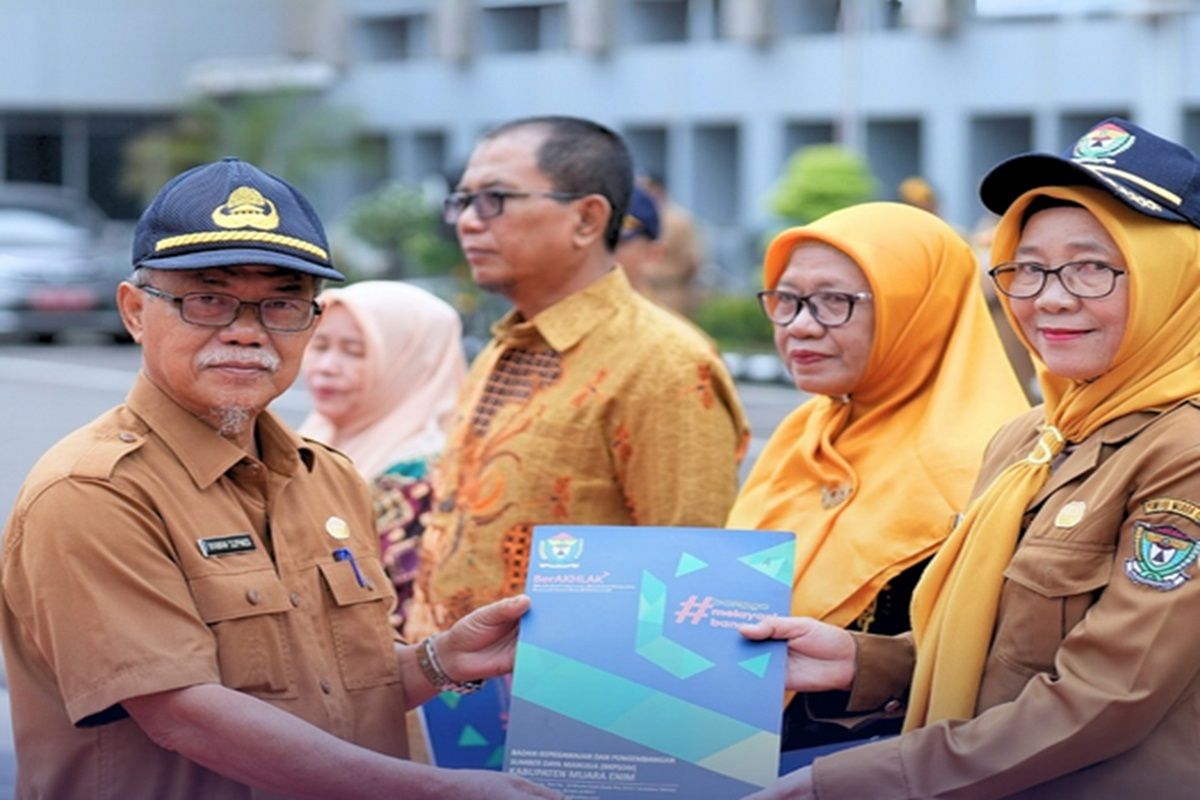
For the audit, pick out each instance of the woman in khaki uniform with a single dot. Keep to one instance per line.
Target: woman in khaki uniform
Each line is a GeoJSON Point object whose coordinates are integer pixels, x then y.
{"type": "Point", "coordinates": [1052, 653]}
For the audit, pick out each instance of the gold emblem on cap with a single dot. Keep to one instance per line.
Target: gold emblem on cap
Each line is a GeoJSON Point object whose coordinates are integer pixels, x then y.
{"type": "Point", "coordinates": [337, 528]}
{"type": "Point", "coordinates": [246, 208]}
{"type": "Point", "coordinates": [1070, 514]}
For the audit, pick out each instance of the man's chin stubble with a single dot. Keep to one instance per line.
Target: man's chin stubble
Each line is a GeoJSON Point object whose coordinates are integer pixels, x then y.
{"type": "Point", "coordinates": [231, 421]}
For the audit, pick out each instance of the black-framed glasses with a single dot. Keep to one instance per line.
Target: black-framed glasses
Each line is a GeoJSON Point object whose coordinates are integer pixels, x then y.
{"type": "Point", "coordinates": [1087, 280]}
{"type": "Point", "coordinates": [829, 309]}
{"type": "Point", "coordinates": [217, 309]}
{"type": "Point", "coordinates": [489, 203]}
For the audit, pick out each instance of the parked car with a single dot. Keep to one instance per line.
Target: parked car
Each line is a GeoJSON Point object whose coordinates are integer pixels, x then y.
{"type": "Point", "coordinates": [59, 264]}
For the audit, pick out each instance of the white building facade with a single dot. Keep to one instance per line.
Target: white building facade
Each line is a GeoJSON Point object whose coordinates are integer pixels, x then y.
{"type": "Point", "coordinates": [713, 95]}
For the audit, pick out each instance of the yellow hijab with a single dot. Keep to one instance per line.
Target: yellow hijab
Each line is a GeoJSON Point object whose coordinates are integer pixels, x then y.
{"type": "Point", "coordinates": [1157, 363]}
{"type": "Point", "coordinates": [936, 387]}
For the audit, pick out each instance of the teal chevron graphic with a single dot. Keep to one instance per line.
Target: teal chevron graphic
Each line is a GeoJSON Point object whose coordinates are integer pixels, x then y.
{"type": "Point", "coordinates": [688, 564]}
{"type": "Point", "coordinates": [774, 562]}
{"type": "Point", "coordinates": [757, 665]}
{"type": "Point", "coordinates": [628, 709]}
{"type": "Point", "coordinates": [471, 737]}
{"type": "Point", "coordinates": [451, 699]}
{"type": "Point", "coordinates": [652, 644]}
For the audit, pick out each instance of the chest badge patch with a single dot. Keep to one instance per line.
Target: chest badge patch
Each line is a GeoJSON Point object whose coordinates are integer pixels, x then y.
{"type": "Point", "coordinates": [1162, 555]}
{"type": "Point", "coordinates": [1070, 515]}
{"type": "Point", "coordinates": [226, 545]}
{"type": "Point", "coordinates": [337, 528]}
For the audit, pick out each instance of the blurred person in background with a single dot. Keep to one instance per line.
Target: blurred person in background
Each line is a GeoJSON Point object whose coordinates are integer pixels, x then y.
{"type": "Point", "coordinates": [671, 278]}
{"type": "Point", "coordinates": [919, 193]}
{"type": "Point", "coordinates": [384, 369]}
{"type": "Point", "coordinates": [639, 244]}
{"type": "Point", "coordinates": [1051, 654]}
{"type": "Point", "coordinates": [878, 315]}
{"type": "Point", "coordinates": [591, 404]}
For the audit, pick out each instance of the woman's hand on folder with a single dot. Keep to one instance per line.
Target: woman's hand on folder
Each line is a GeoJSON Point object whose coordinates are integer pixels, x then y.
{"type": "Point", "coordinates": [820, 656]}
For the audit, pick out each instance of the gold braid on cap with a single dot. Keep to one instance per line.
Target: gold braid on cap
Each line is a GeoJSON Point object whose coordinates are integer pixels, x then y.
{"type": "Point", "coordinates": [209, 237]}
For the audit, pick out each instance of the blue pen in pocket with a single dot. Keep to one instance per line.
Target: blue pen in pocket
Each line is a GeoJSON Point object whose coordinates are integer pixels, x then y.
{"type": "Point", "coordinates": [344, 554]}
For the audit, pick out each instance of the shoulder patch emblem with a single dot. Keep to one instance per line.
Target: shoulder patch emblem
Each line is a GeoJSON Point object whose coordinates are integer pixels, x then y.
{"type": "Point", "coordinates": [1162, 555]}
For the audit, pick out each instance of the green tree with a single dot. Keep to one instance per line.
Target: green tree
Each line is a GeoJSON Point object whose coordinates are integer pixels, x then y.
{"type": "Point", "coordinates": [398, 221]}
{"type": "Point", "coordinates": [820, 179]}
{"type": "Point", "coordinates": [286, 132]}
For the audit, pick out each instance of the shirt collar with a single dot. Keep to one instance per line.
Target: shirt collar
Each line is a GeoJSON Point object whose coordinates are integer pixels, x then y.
{"type": "Point", "coordinates": [565, 323]}
{"type": "Point", "coordinates": [204, 453]}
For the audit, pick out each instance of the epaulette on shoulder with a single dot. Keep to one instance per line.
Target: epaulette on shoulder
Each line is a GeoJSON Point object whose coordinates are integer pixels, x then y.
{"type": "Point", "coordinates": [102, 456]}
{"type": "Point", "coordinates": [327, 448]}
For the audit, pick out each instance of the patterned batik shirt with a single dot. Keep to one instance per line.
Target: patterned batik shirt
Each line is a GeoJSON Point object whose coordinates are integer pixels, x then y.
{"type": "Point", "coordinates": [602, 409]}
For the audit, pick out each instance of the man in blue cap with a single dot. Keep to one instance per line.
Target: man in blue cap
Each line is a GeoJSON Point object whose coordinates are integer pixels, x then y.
{"type": "Point", "coordinates": [639, 244]}
{"type": "Point", "coordinates": [193, 602]}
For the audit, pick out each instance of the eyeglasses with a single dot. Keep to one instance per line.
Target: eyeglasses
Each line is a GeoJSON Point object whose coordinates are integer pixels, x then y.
{"type": "Point", "coordinates": [216, 309]}
{"type": "Point", "coordinates": [489, 203]}
{"type": "Point", "coordinates": [829, 309]}
{"type": "Point", "coordinates": [1087, 280]}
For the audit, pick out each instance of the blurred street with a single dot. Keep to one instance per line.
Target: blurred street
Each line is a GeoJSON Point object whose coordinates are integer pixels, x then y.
{"type": "Point", "coordinates": [50, 390]}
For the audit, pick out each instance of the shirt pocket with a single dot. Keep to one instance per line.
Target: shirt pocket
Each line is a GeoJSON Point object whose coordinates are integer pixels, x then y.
{"type": "Point", "coordinates": [246, 612]}
{"type": "Point", "coordinates": [358, 619]}
{"type": "Point", "coordinates": [1049, 588]}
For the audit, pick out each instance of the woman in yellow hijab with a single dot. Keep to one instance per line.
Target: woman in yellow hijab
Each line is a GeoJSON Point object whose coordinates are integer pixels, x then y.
{"type": "Point", "coordinates": [1052, 652]}
{"type": "Point", "coordinates": [878, 313]}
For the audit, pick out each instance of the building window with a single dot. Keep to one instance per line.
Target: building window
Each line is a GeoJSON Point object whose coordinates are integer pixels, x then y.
{"type": "Point", "coordinates": [397, 38]}
{"type": "Point", "coordinates": [655, 21]}
{"type": "Point", "coordinates": [806, 16]}
{"type": "Point", "coordinates": [799, 135]}
{"type": "Point", "coordinates": [523, 28]}
{"type": "Point", "coordinates": [993, 139]}
{"type": "Point", "coordinates": [649, 147]}
{"type": "Point", "coordinates": [893, 152]}
{"type": "Point", "coordinates": [716, 156]}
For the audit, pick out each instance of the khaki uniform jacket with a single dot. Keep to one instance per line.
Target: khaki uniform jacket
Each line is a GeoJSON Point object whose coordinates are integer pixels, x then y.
{"type": "Point", "coordinates": [108, 594]}
{"type": "Point", "coordinates": [1092, 684]}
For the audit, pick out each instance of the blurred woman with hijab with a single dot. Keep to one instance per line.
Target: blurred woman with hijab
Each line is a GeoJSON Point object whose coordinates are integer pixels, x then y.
{"type": "Point", "coordinates": [384, 369]}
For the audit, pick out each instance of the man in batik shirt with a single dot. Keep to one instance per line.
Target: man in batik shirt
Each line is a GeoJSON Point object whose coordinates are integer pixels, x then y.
{"type": "Point", "coordinates": [590, 405]}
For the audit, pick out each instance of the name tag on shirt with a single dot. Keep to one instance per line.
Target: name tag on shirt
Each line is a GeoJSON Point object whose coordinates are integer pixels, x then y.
{"type": "Point", "coordinates": [226, 545]}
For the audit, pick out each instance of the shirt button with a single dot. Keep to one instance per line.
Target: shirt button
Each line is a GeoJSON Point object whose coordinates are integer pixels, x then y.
{"type": "Point", "coordinates": [126, 436]}
{"type": "Point", "coordinates": [891, 705]}
{"type": "Point", "coordinates": [295, 598]}
{"type": "Point", "coordinates": [326, 686]}
{"type": "Point", "coordinates": [253, 596]}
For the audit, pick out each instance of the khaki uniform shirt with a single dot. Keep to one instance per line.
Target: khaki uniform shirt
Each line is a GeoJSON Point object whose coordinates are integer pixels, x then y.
{"type": "Point", "coordinates": [602, 409]}
{"type": "Point", "coordinates": [108, 595]}
{"type": "Point", "coordinates": [1092, 684]}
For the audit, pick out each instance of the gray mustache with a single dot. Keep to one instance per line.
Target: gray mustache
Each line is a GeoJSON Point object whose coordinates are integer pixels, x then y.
{"type": "Point", "coordinates": [260, 358]}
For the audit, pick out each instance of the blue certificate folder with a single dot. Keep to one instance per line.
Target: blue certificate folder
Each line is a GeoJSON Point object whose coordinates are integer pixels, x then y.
{"type": "Point", "coordinates": [631, 678]}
